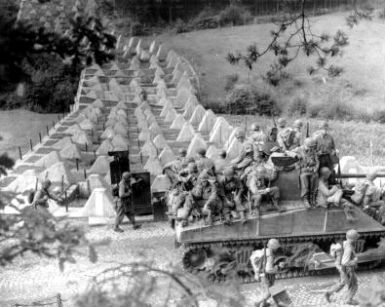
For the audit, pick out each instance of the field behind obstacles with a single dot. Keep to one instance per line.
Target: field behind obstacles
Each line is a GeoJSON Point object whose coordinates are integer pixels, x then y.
{"type": "Point", "coordinates": [361, 86]}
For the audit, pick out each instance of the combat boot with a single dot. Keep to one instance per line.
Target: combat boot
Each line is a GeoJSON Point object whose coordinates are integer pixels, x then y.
{"type": "Point", "coordinates": [306, 202]}
{"type": "Point", "coordinates": [313, 199]}
{"type": "Point", "coordinates": [243, 217]}
{"type": "Point", "coordinates": [276, 206]}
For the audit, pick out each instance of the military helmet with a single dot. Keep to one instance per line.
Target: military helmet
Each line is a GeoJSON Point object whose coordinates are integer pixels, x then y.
{"type": "Point", "coordinates": [352, 234]}
{"type": "Point", "coordinates": [298, 123]}
{"type": "Point", "coordinates": [201, 151]}
{"type": "Point", "coordinates": [182, 152]}
{"type": "Point", "coordinates": [273, 244]}
{"type": "Point", "coordinates": [281, 122]}
{"type": "Point", "coordinates": [325, 172]}
{"type": "Point", "coordinates": [240, 134]}
{"type": "Point", "coordinates": [255, 127]}
{"type": "Point", "coordinates": [260, 171]}
{"type": "Point", "coordinates": [126, 175]}
{"type": "Point", "coordinates": [324, 125]}
{"type": "Point", "coordinates": [309, 142]}
{"type": "Point", "coordinates": [46, 184]}
{"type": "Point", "coordinates": [228, 171]}
{"type": "Point", "coordinates": [372, 175]}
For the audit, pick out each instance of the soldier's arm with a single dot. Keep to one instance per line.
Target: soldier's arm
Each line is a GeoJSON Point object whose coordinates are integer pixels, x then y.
{"type": "Point", "coordinates": [122, 193]}
{"type": "Point", "coordinates": [38, 199]}
{"type": "Point", "coordinates": [316, 163]}
{"type": "Point", "coordinates": [348, 257]}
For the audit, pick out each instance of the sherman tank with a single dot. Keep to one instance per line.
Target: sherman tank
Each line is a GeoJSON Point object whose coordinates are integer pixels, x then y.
{"type": "Point", "coordinates": [221, 251]}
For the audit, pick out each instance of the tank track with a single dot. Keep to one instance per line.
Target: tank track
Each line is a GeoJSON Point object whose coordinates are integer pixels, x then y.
{"type": "Point", "coordinates": [244, 247]}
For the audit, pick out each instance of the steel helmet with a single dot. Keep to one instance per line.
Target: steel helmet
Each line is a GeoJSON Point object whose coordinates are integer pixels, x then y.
{"type": "Point", "coordinates": [273, 244]}
{"type": "Point", "coordinates": [352, 235]}
{"type": "Point", "coordinates": [281, 122]}
{"type": "Point", "coordinates": [255, 127]}
{"type": "Point", "coordinates": [298, 124]}
{"type": "Point", "coordinates": [309, 142]}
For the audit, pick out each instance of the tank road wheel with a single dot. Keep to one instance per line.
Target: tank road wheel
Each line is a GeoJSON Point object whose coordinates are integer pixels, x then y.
{"type": "Point", "coordinates": [193, 259]}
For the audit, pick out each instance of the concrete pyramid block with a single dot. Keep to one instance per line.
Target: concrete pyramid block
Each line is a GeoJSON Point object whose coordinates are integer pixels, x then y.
{"type": "Point", "coordinates": [93, 118]}
{"type": "Point", "coordinates": [25, 182]}
{"type": "Point", "coordinates": [147, 112]}
{"type": "Point", "coordinates": [161, 184]}
{"type": "Point", "coordinates": [196, 143]}
{"type": "Point", "coordinates": [166, 155]}
{"type": "Point", "coordinates": [98, 104]}
{"type": "Point", "coordinates": [221, 132]}
{"type": "Point", "coordinates": [122, 113]}
{"type": "Point", "coordinates": [100, 166]}
{"type": "Point", "coordinates": [149, 149]}
{"type": "Point", "coordinates": [161, 85]}
{"type": "Point", "coordinates": [49, 159]}
{"type": "Point", "coordinates": [92, 94]}
{"type": "Point", "coordinates": [212, 152]}
{"type": "Point", "coordinates": [144, 56]}
{"type": "Point", "coordinates": [161, 93]}
{"type": "Point", "coordinates": [153, 166]}
{"type": "Point", "coordinates": [188, 112]}
{"type": "Point", "coordinates": [99, 205]}
{"type": "Point", "coordinates": [139, 47]}
{"type": "Point", "coordinates": [105, 147]}
{"type": "Point", "coordinates": [62, 143]}
{"type": "Point", "coordinates": [111, 96]}
{"type": "Point", "coordinates": [135, 64]}
{"type": "Point", "coordinates": [171, 115]}
{"type": "Point", "coordinates": [122, 105]}
{"type": "Point", "coordinates": [74, 129]}
{"type": "Point", "coordinates": [197, 116]}
{"type": "Point", "coordinates": [155, 129]}
{"type": "Point", "coordinates": [120, 141]}
{"type": "Point", "coordinates": [144, 135]}
{"type": "Point", "coordinates": [107, 178]}
{"type": "Point", "coordinates": [176, 77]}
{"type": "Point", "coordinates": [207, 122]}
{"type": "Point", "coordinates": [153, 46]}
{"type": "Point", "coordinates": [58, 173]}
{"type": "Point", "coordinates": [131, 42]}
{"type": "Point", "coordinates": [184, 82]}
{"type": "Point", "coordinates": [121, 129]}
{"type": "Point", "coordinates": [159, 71]}
{"type": "Point", "coordinates": [186, 134]}
{"type": "Point", "coordinates": [191, 101]}
{"type": "Point", "coordinates": [166, 108]}
{"type": "Point", "coordinates": [232, 137]}
{"type": "Point", "coordinates": [70, 152]}
{"type": "Point", "coordinates": [178, 122]}
{"type": "Point", "coordinates": [234, 149]}
{"type": "Point", "coordinates": [182, 97]}
{"type": "Point", "coordinates": [109, 133]}
{"type": "Point", "coordinates": [81, 138]}
{"type": "Point", "coordinates": [87, 124]}
{"type": "Point", "coordinates": [96, 181]}
{"type": "Point", "coordinates": [157, 79]}
{"type": "Point", "coordinates": [160, 142]}
{"type": "Point", "coordinates": [160, 53]}
{"type": "Point", "coordinates": [163, 101]}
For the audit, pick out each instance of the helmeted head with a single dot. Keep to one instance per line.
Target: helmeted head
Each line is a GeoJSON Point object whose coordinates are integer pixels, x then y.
{"type": "Point", "coordinates": [281, 122]}
{"type": "Point", "coordinates": [324, 126]}
{"type": "Point", "coordinates": [201, 152]}
{"type": "Point", "coordinates": [248, 147]}
{"type": "Point", "coordinates": [352, 235]}
{"type": "Point", "coordinates": [255, 127]}
{"type": "Point", "coordinates": [273, 134]}
{"type": "Point", "coordinates": [273, 244]}
{"type": "Point", "coordinates": [298, 124]}
{"type": "Point", "coordinates": [228, 172]}
{"type": "Point", "coordinates": [192, 167]}
{"type": "Point", "coordinates": [260, 153]}
{"type": "Point", "coordinates": [46, 184]}
{"type": "Point", "coordinates": [126, 176]}
{"type": "Point", "coordinates": [335, 249]}
{"type": "Point", "coordinates": [260, 171]}
{"type": "Point", "coordinates": [372, 175]}
{"type": "Point", "coordinates": [240, 135]}
{"type": "Point", "coordinates": [223, 154]}
{"type": "Point", "coordinates": [325, 172]}
{"type": "Point", "coordinates": [309, 143]}
{"type": "Point", "coordinates": [182, 153]}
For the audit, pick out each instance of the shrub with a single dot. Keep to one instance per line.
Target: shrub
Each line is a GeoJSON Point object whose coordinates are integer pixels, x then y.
{"type": "Point", "coordinates": [298, 106]}
{"type": "Point", "coordinates": [206, 19]}
{"type": "Point", "coordinates": [231, 80]}
{"type": "Point", "coordinates": [234, 15]}
{"type": "Point", "coordinates": [181, 26]}
{"type": "Point", "coordinates": [251, 99]}
{"type": "Point", "coordinates": [137, 29]}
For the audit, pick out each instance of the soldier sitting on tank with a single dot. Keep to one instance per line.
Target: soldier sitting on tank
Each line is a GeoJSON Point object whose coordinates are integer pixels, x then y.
{"type": "Point", "coordinates": [257, 136]}
{"type": "Point", "coordinates": [332, 195]}
{"type": "Point", "coordinates": [202, 199]}
{"type": "Point", "coordinates": [231, 192]}
{"type": "Point", "coordinates": [372, 200]}
{"type": "Point", "coordinates": [309, 164]}
{"type": "Point", "coordinates": [245, 158]}
{"type": "Point", "coordinates": [173, 168]}
{"type": "Point", "coordinates": [261, 159]}
{"type": "Point", "coordinates": [259, 184]}
{"type": "Point", "coordinates": [286, 139]}
{"type": "Point", "coordinates": [271, 142]}
{"type": "Point", "coordinates": [205, 163]}
{"type": "Point", "coordinates": [187, 179]}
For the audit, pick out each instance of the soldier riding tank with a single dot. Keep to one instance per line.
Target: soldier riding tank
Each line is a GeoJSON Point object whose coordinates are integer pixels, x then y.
{"type": "Point", "coordinates": [222, 251]}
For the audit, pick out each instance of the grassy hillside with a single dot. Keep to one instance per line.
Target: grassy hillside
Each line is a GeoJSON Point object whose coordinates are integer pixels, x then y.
{"type": "Point", "coordinates": [362, 84]}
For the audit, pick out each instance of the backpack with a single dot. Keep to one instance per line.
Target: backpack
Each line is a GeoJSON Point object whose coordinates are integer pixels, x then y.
{"type": "Point", "coordinates": [31, 196]}
{"type": "Point", "coordinates": [115, 190]}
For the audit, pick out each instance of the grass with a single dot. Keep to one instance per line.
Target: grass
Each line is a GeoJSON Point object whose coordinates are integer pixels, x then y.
{"type": "Point", "coordinates": [352, 138]}
{"type": "Point", "coordinates": [361, 85]}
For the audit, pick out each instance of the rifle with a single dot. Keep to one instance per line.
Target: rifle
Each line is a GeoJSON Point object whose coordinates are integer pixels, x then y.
{"type": "Point", "coordinates": [307, 130]}
{"type": "Point", "coordinates": [274, 122]}
{"type": "Point", "coordinates": [339, 174]}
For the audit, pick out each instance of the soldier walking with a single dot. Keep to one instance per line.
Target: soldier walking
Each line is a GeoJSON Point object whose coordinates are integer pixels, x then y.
{"type": "Point", "coordinates": [125, 206]}
{"type": "Point", "coordinates": [347, 269]}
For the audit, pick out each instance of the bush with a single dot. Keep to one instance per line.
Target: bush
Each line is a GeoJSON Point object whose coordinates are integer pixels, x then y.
{"type": "Point", "coordinates": [137, 29]}
{"type": "Point", "coordinates": [251, 99]}
{"type": "Point", "coordinates": [181, 26]}
{"type": "Point", "coordinates": [231, 80]}
{"type": "Point", "coordinates": [234, 15]}
{"type": "Point", "coordinates": [298, 106]}
{"type": "Point", "coordinates": [206, 19]}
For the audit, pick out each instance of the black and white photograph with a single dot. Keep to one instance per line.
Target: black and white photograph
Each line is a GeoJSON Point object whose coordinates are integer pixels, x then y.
{"type": "Point", "coordinates": [192, 153]}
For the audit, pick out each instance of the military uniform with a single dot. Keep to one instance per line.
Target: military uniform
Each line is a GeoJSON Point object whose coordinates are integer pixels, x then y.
{"type": "Point", "coordinates": [231, 192]}
{"type": "Point", "coordinates": [125, 206]}
{"type": "Point", "coordinates": [245, 159]}
{"type": "Point", "coordinates": [205, 163]}
{"type": "Point", "coordinates": [173, 168]}
{"type": "Point", "coordinates": [326, 153]}
{"type": "Point", "coordinates": [260, 190]}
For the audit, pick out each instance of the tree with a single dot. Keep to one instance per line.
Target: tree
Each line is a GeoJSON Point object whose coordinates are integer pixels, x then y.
{"type": "Point", "coordinates": [294, 37]}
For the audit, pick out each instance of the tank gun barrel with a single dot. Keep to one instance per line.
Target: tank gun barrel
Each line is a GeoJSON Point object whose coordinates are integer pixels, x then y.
{"type": "Point", "coordinates": [348, 176]}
